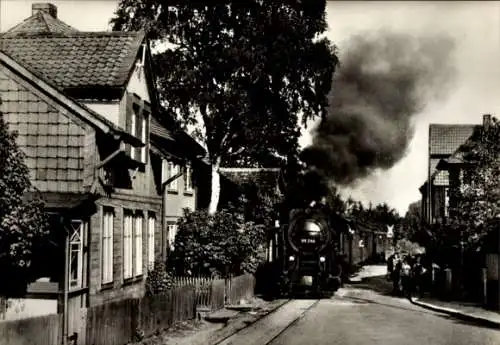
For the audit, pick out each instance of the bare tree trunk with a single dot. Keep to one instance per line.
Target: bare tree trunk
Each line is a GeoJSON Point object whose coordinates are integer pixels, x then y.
{"type": "Point", "coordinates": [215, 188]}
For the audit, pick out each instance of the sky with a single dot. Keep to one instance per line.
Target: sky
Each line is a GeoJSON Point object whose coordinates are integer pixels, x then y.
{"type": "Point", "coordinates": [474, 25]}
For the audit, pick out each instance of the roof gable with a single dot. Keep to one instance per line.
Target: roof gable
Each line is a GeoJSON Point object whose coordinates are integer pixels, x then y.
{"type": "Point", "coordinates": [446, 139]}
{"type": "Point", "coordinates": [83, 112]}
{"type": "Point", "coordinates": [78, 60]}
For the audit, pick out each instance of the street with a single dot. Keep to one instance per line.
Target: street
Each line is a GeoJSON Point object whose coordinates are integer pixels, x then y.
{"type": "Point", "coordinates": [360, 314]}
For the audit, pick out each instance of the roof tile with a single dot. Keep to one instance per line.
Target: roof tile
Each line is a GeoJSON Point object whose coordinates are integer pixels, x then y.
{"type": "Point", "coordinates": [446, 139]}
{"type": "Point", "coordinates": [266, 179]}
{"type": "Point", "coordinates": [40, 23]}
{"type": "Point", "coordinates": [77, 59]}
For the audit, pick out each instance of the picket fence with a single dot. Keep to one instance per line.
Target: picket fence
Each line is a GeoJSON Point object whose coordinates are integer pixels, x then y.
{"type": "Point", "coordinates": [214, 293]}
{"type": "Point", "coordinates": [122, 322]}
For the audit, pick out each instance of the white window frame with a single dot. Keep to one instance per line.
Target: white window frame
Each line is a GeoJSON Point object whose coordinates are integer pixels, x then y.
{"type": "Point", "coordinates": [144, 138]}
{"type": "Point", "coordinates": [128, 221]}
{"type": "Point", "coordinates": [107, 245]}
{"type": "Point", "coordinates": [76, 246]}
{"type": "Point", "coordinates": [133, 128]}
{"type": "Point", "coordinates": [188, 182]}
{"type": "Point", "coordinates": [173, 169]}
{"type": "Point", "coordinates": [151, 240]}
{"type": "Point", "coordinates": [138, 253]}
{"type": "Point", "coordinates": [172, 232]}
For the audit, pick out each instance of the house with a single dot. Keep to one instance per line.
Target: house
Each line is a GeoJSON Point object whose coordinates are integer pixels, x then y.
{"type": "Point", "coordinates": [99, 150]}
{"type": "Point", "coordinates": [444, 141]}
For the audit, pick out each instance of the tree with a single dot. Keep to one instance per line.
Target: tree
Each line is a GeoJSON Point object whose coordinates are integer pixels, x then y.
{"type": "Point", "coordinates": [244, 73]}
{"type": "Point", "coordinates": [218, 244]}
{"type": "Point", "coordinates": [476, 208]}
{"type": "Point", "coordinates": [23, 224]}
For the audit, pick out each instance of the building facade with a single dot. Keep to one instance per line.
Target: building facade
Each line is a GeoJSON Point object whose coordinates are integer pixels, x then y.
{"type": "Point", "coordinates": [97, 143]}
{"type": "Point", "coordinates": [444, 141]}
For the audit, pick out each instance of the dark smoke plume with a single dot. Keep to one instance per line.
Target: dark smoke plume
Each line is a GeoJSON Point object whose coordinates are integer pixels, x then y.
{"type": "Point", "coordinates": [383, 81]}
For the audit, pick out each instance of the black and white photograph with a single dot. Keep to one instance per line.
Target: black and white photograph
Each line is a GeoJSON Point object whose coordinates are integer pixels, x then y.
{"type": "Point", "coordinates": [256, 172]}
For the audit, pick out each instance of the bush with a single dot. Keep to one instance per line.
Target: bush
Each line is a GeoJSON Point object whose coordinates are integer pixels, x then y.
{"type": "Point", "coordinates": [159, 280]}
{"type": "Point", "coordinates": [218, 244]}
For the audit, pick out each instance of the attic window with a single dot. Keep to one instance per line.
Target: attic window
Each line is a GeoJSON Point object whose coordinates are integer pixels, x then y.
{"type": "Point", "coordinates": [137, 124]}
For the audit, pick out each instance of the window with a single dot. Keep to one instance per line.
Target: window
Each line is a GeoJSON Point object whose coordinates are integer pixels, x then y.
{"type": "Point", "coordinates": [446, 201]}
{"type": "Point", "coordinates": [188, 182]}
{"type": "Point", "coordinates": [133, 128]}
{"type": "Point", "coordinates": [137, 118]}
{"type": "Point", "coordinates": [144, 136]}
{"type": "Point", "coordinates": [107, 245]}
{"type": "Point", "coordinates": [172, 231]}
{"type": "Point", "coordinates": [173, 169]}
{"type": "Point", "coordinates": [127, 245]}
{"type": "Point", "coordinates": [151, 240]}
{"type": "Point", "coordinates": [164, 170]}
{"type": "Point", "coordinates": [138, 244]}
{"type": "Point", "coordinates": [76, 254]}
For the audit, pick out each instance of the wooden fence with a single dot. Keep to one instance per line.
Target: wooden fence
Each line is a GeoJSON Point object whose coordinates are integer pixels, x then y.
{"type": "Point", "coordinates": [239, 288]}
{"type": "Point", "coordinates": [120, 322]}
{"type": "Point", "coordinates": [214, 293]}
{"type": "Point", "coordinates": [41, 330]}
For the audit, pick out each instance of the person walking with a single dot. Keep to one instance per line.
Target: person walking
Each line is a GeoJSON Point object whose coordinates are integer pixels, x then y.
{"type": "Point", "coordinates": [406, 272]}
{"type": "Point", "coordinates": [396, 275]}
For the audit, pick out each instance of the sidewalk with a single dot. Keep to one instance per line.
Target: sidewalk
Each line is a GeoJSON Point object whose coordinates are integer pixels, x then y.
{"type": "Point", "coordinates": [368, 271]}
{"type": "Point", "coordinates": [464, 311]}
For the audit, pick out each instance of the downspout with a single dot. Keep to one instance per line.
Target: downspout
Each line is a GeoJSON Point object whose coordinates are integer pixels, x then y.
{"type": "Point", "coordinates": [65, 291]}
{"type": "Point", "coordinates": [164, 211]}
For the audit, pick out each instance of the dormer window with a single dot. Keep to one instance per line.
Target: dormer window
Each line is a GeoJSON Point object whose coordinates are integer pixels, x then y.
{"type": "Point", "coordinates": [144, 135]}
{"type": "Point", "coordinates": [133, 126]}
{"type": "Point", "coordinates": [137, 124]}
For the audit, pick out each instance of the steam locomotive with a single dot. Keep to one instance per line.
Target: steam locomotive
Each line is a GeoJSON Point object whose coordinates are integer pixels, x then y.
{"type": "Point", "coordinates": [305, 252]}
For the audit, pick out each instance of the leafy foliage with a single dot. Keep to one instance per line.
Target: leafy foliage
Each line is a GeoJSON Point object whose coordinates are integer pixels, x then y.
{"type": "Point", "coordinates": [475, 203]}
{"type": "Point", "coordinates": [23, 224]}
{"type": "Point", "coordinates": [218, 244]}
{"type": "Point", "coordinates": [244, 74]}
{"type": "Point", "coordinates": [159, 279]}
{"type": "Point", "coordinates": [380, 214]}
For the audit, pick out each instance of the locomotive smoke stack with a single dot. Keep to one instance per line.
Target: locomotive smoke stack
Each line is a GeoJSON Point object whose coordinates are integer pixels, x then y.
{"type": "Point", "coordinates": [384, 80]}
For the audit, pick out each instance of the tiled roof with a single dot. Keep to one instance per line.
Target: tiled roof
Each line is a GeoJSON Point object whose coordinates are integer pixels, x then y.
{"type": "Point", "coordinates": [160, 130]}
{"type": "Point", "coordinates": [77, 59]}
{"type": "Point", "coordinates": [40, 23]}
{"type": "Point", "coordinates": [266, 179]}
{"type": "Point", "coordinates": [446, 139]}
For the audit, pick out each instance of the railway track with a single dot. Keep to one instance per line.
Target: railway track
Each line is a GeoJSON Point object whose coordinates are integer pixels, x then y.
{"type": "Point", "coordinates": [265, 330]}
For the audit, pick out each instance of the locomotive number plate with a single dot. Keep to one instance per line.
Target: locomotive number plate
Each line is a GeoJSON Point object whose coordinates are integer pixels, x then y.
{"type": "Point", "coordinates": [307, 241]}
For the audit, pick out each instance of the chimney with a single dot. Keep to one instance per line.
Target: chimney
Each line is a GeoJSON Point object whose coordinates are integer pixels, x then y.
{"type": "Point", "coordinates": [44, 7]}
{"type": "Point", "coordinates": [486, 121]}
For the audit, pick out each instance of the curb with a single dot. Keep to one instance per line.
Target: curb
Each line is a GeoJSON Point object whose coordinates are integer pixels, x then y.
{"type": "Point", "coordinates": [458, 314]}
{"type": "Point", "coordinates": [233, 328]}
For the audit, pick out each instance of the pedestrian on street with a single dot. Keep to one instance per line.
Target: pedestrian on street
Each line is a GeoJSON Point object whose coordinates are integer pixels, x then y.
{"type": "Point", "coordinates": [396, 275]}
{"type": "Point", "coordinates": [406, 272]}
